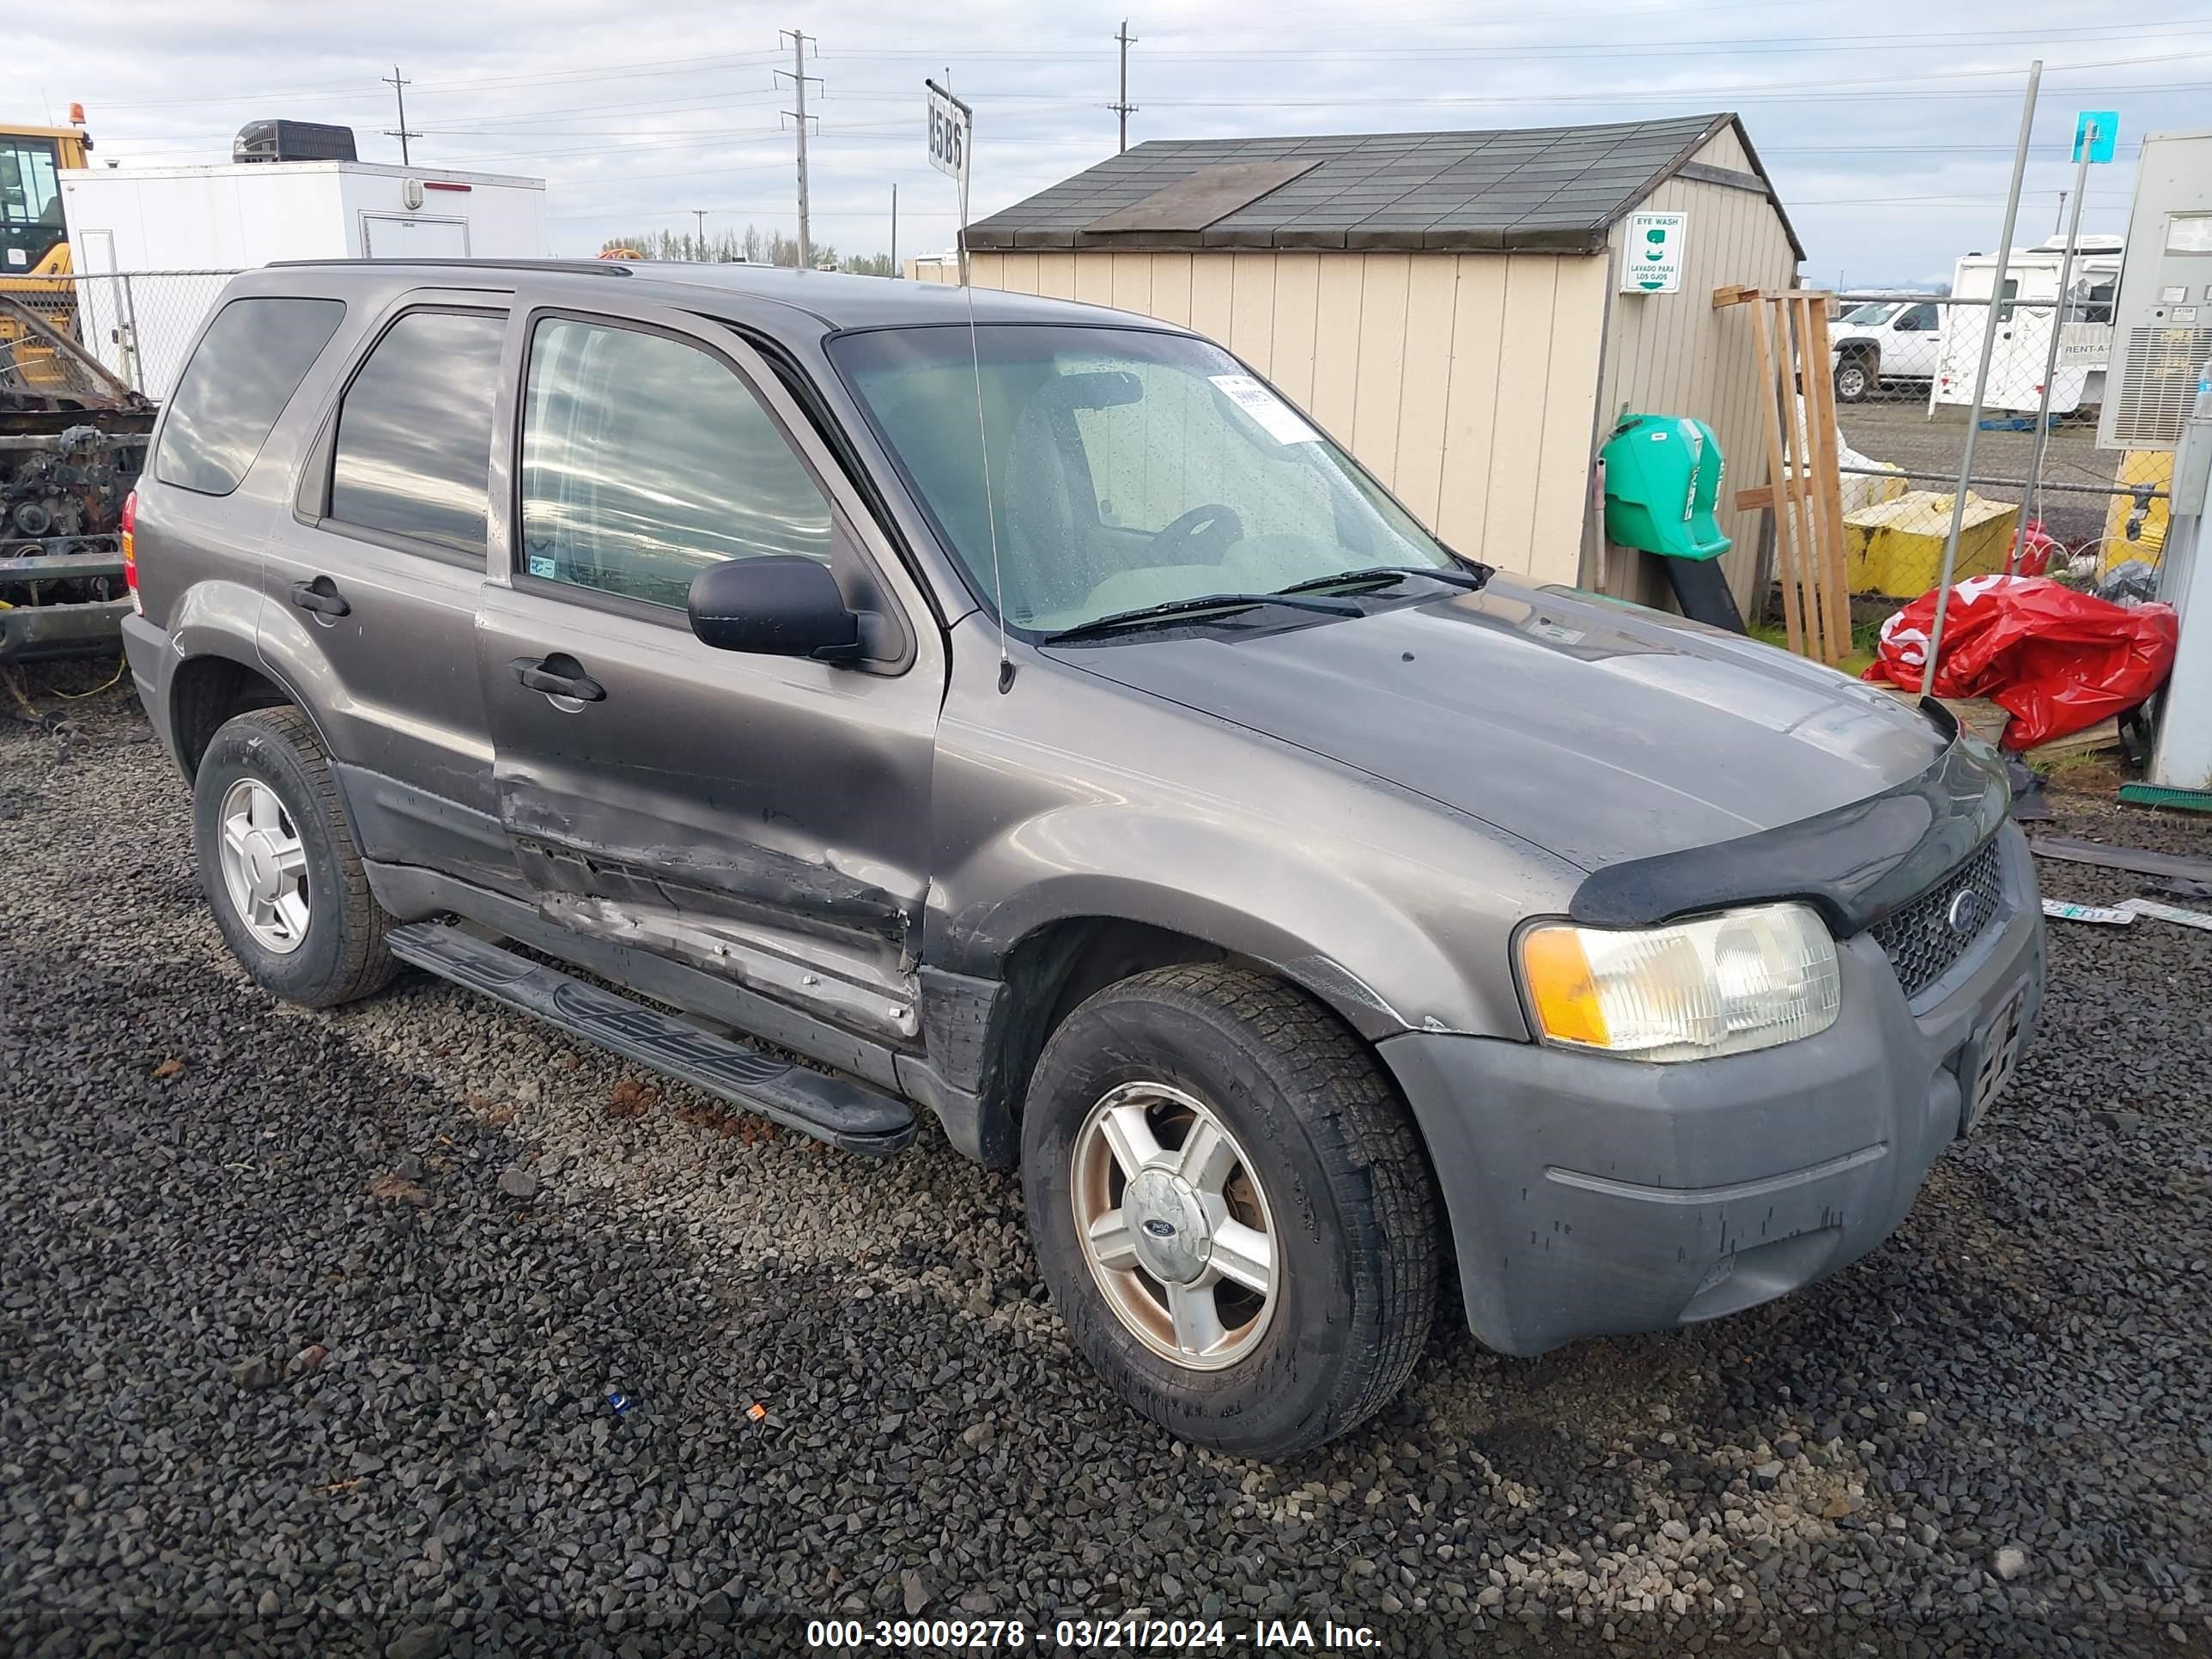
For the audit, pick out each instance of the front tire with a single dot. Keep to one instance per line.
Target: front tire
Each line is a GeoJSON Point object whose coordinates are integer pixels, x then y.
{"type": "Point", "coordinates": [1231, 1208]}
{"type": "Point", "coordinates": [1855, 380]}
{"type": "Point", "coordinates": [279, 865]}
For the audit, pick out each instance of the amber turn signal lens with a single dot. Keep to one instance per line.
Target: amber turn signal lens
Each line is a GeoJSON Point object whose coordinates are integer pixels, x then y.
{"type": "Point", "coordinates": [1560, 985]}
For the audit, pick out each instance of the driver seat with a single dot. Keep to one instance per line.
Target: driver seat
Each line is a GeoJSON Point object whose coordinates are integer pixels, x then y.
{"type": "Point", "coordinates": [1051, 505]}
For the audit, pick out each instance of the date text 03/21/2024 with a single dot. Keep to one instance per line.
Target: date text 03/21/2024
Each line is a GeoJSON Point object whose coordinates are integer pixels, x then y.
{"type": "Point", "coordinates": [1092, 1635]}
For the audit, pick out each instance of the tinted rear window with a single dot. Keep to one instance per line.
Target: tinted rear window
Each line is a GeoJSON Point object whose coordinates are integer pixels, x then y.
{"type": "Point", "coordinates": [414, 445]}
{"type": "Point", "coordinates": [249, 362]}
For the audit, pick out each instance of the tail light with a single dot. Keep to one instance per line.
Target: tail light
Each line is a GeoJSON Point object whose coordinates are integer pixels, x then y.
{"type": "Point", "coordinates": [130, 550]}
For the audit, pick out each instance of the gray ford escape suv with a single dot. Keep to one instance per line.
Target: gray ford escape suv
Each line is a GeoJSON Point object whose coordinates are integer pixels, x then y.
{"type": "Point", "coordinates": [1043, 727]}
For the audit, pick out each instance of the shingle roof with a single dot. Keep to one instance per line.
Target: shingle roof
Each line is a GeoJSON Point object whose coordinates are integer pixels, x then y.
{"type": "Point", "coordinates": [1551, 189]}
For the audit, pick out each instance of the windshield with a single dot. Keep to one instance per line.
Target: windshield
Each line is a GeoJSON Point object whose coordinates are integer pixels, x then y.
{"type": "Point", "coordinates": [1128, 469]}
{"type": "Point", "coordinates": [1869, 315]}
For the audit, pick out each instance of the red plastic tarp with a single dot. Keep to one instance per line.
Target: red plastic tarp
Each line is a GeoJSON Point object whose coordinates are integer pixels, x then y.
{"type": "Point", "coordinates": [2056, 661]}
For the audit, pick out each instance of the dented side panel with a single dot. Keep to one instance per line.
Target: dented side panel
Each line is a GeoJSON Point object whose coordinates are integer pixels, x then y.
{"type": "Point", "coordinates": [720, 790]}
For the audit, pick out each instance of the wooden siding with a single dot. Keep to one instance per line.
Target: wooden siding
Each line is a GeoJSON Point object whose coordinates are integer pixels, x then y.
{"type": "Point", "coordinates": [1672, 354]}
{"type": "Point", "coordinates": [1467, 382]}
{"type": "Point", "coordinates": [1478, 385]}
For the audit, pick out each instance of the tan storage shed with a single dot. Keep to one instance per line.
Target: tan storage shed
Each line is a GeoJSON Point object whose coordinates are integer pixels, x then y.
{"type": "Point", "coordinates": [1449, 305]}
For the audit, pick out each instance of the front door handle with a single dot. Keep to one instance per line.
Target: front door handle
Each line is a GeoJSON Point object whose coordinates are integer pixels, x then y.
{"type": "Point", "coordinates": [559, 676]}
{"type": "Point", "coordinates": [320, 596]}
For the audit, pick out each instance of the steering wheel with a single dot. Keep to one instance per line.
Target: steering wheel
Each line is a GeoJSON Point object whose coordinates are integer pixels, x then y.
{"type": "Point", "coordinates": [1208, 522]}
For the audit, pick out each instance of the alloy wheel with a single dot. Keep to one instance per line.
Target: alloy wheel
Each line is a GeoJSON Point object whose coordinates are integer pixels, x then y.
{"type": "Point", "coordinates": [1175, 1225]}
{"type": "Point", "coordinates": [265, 866]}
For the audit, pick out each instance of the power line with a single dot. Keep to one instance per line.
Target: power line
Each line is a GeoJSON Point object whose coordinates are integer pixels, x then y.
{"type": "Point", "coordinates": [2086, 34]}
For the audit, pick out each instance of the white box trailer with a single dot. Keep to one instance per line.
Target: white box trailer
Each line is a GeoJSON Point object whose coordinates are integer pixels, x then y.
{"type": "Point", "coordinates": [227, 218]}
{"type": "Point", "coordinates": [2023, 346]}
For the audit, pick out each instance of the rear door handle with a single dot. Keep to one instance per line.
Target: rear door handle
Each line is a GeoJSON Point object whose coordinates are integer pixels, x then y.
{"type": "Point", "coordinates": [320, 596]}
{"type": "Point", "coordinates": [559, 676]}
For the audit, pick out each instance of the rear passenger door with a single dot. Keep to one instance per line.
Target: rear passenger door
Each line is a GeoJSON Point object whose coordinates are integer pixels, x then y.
{"type": "Point", "coordinates": [372, 585]}
{"type": "Point", "coordinates": [766, 819]}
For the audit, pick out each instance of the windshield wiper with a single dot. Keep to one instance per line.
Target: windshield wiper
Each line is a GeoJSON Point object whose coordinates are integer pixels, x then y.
{"type": "Point", "coordinates": [1171, 609]}
{"type": "Point", "coordinates": [1451, 575]}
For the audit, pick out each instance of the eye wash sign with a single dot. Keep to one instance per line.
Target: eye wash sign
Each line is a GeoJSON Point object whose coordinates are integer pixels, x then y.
{"type": "Point", "coordinates": [1652, 262]}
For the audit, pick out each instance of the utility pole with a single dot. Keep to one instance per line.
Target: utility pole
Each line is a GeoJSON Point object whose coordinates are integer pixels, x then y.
{"type": "Point", "coordinates": [2059, 223]}
{"type": "Point", "coordinates": [1125, 109]}
{"type": "Point", "coordinates": [895, 263]}
{"type": "Point", "coordinates": [401, 132]}
{"type": "Point", "coordinates": [700, 213]}
{"type": "Point", "coordinates": [800, 77]}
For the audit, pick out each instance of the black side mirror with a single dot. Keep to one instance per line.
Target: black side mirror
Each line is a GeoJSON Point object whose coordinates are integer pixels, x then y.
{"type": "Point", "coordinates": [780, 605]}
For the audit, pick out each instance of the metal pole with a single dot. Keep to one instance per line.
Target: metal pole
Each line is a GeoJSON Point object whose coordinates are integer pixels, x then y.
{"type": "Point", "coordinates": [895, 263]}
{"type": "Point", "coordinates": [131, 334]}
{"type": "Point", "coordinates": [1981, 379]}
{"type": "Point", "coordinates": [963, 210]}
{"type": "Point", "coordinates": [399, 90]}
{"type": "Point", "coordinates": [960, 236]}
{"type": "Point", "coordinates": [1123, 108]}
{"type": "Point", "coordinates": [797, 72]}
{"type": "Point", "coordinates": [2051, 355]}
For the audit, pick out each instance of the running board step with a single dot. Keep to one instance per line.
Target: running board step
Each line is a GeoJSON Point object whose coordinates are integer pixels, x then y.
{"type": "Point", "coordinates": [849, 1115]}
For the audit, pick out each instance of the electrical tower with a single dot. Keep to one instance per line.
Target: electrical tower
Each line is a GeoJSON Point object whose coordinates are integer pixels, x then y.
{"type": "Point", "coordinates": [401, 132]}
{"type": "Point", "coordinates": [800, 77]}
{"type": "Point", "coordinates": [1125, 109]}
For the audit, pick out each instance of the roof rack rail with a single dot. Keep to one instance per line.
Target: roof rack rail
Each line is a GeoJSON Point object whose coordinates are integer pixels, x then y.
{"type": "Point", "coordinates": [589, 267]}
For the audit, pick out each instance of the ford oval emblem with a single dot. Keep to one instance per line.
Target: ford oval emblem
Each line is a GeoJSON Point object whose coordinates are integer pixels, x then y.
{"type": "Point", "coordinates": [1964, 915]}
{"type": "Point", "coordinates": [1159, 1228]}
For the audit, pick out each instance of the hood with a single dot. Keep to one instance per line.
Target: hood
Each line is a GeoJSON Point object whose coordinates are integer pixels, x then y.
{"type": "Point", "coordinates": [1600, 732]}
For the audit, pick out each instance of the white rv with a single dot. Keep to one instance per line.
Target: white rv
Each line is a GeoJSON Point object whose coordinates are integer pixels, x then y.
{"type": "Point", "coordinates": [2023, 344]}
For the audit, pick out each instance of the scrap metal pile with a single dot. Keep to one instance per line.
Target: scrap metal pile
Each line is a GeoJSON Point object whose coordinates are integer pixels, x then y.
{"type": "Point", "coordinates": [72, 442]}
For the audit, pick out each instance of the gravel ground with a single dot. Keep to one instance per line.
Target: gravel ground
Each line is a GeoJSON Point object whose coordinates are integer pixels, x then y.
{"type": "Point", "coordinates": [309, 1324]}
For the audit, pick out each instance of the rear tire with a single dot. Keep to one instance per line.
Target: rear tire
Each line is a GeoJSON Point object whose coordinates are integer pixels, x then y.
{"type": "Point", "coordinates": [1322, 1166]}
{"type": "Point", "coordinates": [289, 894]}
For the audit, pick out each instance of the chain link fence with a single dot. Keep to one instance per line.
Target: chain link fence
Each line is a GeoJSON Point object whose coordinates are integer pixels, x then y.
{"type": "Point", "coordinates": [138, 325]}
{"type": "Point", "coordinates": [2054, 502]}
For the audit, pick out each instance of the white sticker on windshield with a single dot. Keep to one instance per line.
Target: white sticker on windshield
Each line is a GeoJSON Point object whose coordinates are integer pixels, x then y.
{"type": "Point", "coordinates": [1277, 418]}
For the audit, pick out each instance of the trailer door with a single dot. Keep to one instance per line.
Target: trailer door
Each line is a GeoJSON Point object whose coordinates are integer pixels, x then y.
{"type": "Point", "coordinates": [410, 236]}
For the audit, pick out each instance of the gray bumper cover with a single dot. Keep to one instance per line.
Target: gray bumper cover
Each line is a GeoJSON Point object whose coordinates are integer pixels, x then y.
{"type": "Point", "coordinates": [146, 648]}
{"type": "Point", "coordinates": [1592, 1196]}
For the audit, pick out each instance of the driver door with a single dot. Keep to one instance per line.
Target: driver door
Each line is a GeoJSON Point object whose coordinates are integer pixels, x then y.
{"type": "Point", "coordinates": [764, 819]}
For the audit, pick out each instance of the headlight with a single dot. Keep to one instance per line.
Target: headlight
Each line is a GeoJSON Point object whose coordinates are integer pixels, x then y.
{"type": "Point", "coordinates": [1743, 980]}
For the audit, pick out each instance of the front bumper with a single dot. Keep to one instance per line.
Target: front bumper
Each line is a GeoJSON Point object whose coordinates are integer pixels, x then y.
{"type": "Point", "coordinates": [1594, 1196]}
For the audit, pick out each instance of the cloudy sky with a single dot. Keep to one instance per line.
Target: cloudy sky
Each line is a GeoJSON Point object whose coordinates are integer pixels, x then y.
{"type": "Point", "coordinates": [1889, 132]}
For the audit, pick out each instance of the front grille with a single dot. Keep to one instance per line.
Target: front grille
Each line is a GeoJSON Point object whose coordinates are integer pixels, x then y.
{"type": "Point", "coordinates": [1918, 937]}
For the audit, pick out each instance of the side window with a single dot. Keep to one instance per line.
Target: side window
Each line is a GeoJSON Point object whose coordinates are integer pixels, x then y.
{"type": "Point", "coordinates": [1173, 447]}
{"type": "Point", "coordinates": [645, 459]}
{"type": "Point", "coordinates": [413, 453]}
{"type": "Point", "coordinates": [249, 363]}
{"type": "Point", "coordinates": [1920, 319]}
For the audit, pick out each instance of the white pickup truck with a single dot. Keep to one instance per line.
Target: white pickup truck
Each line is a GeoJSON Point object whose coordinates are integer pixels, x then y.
{"type": "Point", "coordinates": [1888, 345]}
